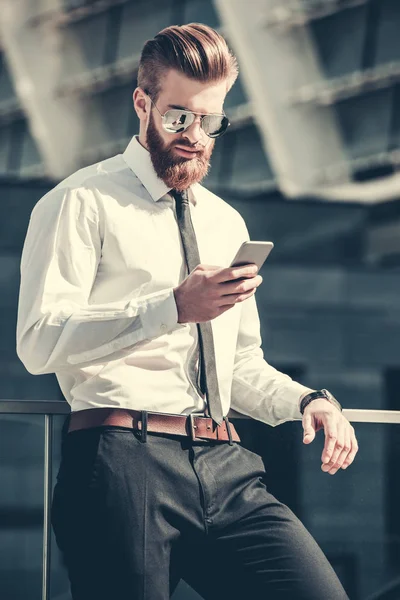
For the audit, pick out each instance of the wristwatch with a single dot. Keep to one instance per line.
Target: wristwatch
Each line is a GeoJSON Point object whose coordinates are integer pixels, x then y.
{"type": "Point", "coordinates": [319, 394]}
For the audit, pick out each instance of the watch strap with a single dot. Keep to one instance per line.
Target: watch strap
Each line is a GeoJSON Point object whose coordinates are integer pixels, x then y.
{"type": "Point", "coordinates": [319, 394]}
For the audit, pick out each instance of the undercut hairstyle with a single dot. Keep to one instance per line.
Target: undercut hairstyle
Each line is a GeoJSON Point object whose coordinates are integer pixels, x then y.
{"type": "Point", "coordinates": [195, 50]}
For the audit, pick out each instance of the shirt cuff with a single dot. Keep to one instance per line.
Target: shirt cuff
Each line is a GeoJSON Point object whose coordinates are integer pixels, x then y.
{"type": "Point", "coordinates": [287, 408]}
{"type": "Point", "coordinates": [159, 314]}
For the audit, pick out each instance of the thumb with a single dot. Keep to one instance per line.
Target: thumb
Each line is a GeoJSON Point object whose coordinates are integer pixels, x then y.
{"type": "Point", "coordinates": [309, 431]}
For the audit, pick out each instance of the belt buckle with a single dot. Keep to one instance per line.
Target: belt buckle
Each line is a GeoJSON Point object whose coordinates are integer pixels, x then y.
{"type": "Point", "coordinates": [192, 426]}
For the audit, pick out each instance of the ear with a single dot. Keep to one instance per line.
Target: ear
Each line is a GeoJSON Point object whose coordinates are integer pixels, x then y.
{"type": "Point", "coordinates": [140, 102]}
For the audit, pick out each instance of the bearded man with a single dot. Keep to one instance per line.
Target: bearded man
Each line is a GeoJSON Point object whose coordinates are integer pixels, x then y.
{"type": "Point", "coordinates": [127, 297]}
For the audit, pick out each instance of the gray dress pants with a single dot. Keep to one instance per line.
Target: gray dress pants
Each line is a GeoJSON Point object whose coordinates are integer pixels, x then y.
{"type": "Point", "coordinates": [133, 517]}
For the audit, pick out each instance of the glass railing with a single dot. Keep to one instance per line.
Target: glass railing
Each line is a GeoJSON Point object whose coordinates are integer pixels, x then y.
{"type": "Point", "coordinates": [353, 515]}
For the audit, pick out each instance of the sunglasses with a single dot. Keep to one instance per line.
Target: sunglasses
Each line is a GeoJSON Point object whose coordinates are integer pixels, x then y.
{"type": "Point", "coordinates": [176, 120]}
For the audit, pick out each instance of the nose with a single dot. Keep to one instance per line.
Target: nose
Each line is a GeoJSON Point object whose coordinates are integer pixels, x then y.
{"type": "Point", "coordinates": [194, 133]}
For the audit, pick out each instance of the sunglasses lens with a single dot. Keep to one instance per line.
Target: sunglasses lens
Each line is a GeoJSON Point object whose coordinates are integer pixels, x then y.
{"type": "Point", "coordinates": [175, 121]}
{"type": "Point", "coordinates": [215, 125]}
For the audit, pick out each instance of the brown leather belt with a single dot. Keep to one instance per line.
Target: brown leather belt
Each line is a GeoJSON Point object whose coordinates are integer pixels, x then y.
{"type": "Point", "coordinates": [194, 426]}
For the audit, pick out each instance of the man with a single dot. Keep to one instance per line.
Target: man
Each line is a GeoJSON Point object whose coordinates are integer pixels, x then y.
{"type": "Point", "coordinates": [143, 333]}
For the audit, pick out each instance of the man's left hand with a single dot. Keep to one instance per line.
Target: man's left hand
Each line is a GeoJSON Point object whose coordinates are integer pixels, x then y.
{"type": "Point", "coordinates": [340, 440]}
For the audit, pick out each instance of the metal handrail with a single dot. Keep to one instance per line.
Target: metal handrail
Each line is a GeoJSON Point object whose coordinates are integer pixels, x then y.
{"type": "Point", "coordinates": [61, 407]}
{"type": "Point", "coordinates": [49, 408]}
{"type": "Point", "coordinates": [34, 407]}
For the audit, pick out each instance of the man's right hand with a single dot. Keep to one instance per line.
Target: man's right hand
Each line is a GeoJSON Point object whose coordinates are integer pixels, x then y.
{"type": "Point", "coordinates": [209, 291]}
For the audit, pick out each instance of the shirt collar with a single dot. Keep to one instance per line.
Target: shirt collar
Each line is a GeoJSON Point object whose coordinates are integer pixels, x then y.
{"type": "Point", "coordinates": [138, 159]}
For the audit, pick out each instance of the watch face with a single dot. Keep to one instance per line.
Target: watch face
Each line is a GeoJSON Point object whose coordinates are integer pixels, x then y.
{"type": "Point", "coordinates": [330, 396]}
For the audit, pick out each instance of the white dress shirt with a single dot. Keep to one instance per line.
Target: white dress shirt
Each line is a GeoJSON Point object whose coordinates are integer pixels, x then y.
{"type": "Point", "coordinates": [100, 260]}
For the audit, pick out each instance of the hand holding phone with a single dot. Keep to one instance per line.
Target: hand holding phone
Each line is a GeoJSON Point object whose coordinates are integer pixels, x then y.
{"type": "Point", "coordinates": [209, 290]}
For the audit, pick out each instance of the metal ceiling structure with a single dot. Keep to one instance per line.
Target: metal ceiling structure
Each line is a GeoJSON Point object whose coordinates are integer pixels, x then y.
{"type": "Point", "coordinates": [282, 61]}
{"type": "Point", "coordinates": [315, 108]}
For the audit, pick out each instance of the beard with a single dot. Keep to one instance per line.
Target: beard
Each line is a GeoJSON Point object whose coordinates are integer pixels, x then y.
{"type": "Point", "coordinates": [176, 171]}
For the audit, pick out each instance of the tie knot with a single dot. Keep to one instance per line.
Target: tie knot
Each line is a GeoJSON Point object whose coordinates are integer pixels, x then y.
{"type": "Point", "coordinates": [181, 196]}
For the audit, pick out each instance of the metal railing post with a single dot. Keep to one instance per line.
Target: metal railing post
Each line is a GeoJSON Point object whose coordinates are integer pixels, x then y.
{"type": "Point", "coordinates": [47, 490]}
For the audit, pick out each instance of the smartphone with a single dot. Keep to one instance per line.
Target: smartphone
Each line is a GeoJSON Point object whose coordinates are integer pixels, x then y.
{"type": "Point", "coordinates": [252, 252]}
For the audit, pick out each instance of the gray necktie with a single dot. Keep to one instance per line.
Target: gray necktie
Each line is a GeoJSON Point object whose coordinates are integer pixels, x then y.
{"type": "Point", "coordinates": [209, 379]}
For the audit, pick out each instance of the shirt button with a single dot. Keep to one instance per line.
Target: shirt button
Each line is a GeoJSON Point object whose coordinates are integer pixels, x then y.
{"type": "Point", "coordinates": [163, 328]}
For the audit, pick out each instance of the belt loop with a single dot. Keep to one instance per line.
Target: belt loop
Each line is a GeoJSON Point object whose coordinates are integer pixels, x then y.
{"type": "Point", "coordinates": [228, 429]}
{"type": "Point", "coordinates": [192, 426]}
{"type": "Point", "coordinates": [143, 436]}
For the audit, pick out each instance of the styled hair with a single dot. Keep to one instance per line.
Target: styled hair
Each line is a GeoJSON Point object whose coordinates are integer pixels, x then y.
{"type": "Point", "coordinates": [195, 50]}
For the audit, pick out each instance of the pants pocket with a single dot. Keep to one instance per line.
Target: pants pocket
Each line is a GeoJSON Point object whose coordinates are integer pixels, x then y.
{"type": "Point", "coordinates": [79, 458]}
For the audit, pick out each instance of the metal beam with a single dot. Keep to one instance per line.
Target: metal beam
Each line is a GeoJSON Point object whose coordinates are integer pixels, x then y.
{"type": "Point", "coordinates": [280, 69]}
{"type": "Point", "coordinates": [301, 142]}
{"type": "Point", "coordinates": [294, 15]}
{"type": "Point", "coordinates": [35, 61]}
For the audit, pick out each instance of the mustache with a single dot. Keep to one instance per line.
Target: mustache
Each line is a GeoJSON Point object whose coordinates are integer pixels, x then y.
{"type": "Point", "coordinates": [183, 144]}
